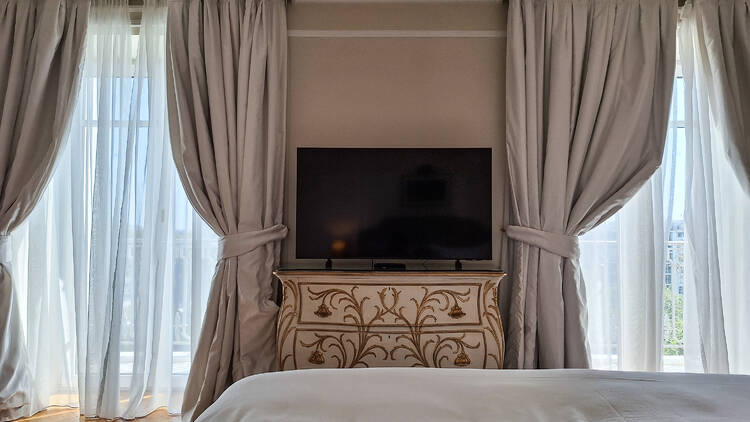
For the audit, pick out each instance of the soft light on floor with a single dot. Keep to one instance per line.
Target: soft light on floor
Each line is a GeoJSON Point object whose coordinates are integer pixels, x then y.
{"type": "Point", "coordinates": [67, 414]}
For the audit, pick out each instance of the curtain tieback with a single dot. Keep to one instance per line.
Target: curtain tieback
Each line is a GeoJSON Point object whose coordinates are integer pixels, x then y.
{"type": "Point", "coordinates": [6, 249]}
{"type": "Point", "coordinates": [237, 244]}
{"type": "Point", "coordinates": [556, 243]}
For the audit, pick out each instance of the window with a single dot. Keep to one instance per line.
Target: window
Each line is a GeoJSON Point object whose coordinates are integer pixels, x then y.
{"type": "Point", "coordinates": [617, 256]}
{"type": "Point", "coordinates": [665, 277]}
{"type": "Point", "coordinates": [113, 266]}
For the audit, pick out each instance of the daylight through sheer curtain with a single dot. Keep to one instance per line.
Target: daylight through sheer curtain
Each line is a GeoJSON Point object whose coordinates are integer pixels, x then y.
{"type": "Point", "coordinates": [714, 42]}
{"type": "Point", "coordinates": [666, 277]}
{"type": "Point", "coordinates": [112, 267]}
{"type": "Point", "coordinates": [633, 266]}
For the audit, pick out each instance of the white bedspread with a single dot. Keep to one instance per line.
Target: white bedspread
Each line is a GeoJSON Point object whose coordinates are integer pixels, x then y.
{"type": "Point", "coordinates": [412, 394]}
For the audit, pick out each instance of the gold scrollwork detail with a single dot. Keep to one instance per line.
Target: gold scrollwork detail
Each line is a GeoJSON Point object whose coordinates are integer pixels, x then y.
{"type": "Point", "coordinates": [494, 325]}
{"type": "Point", "coordinates": [414, 346]}
{"type": "Point", "coordinates": [361, 341]}
{"type": "Point", "coordinates": [286, 322]}
{"type": "Point", "coordinates": [365, 343]}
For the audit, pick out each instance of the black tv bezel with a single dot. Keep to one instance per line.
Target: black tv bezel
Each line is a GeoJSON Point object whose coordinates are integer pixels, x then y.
{"type": "Point", "coordinates": [393, 258]}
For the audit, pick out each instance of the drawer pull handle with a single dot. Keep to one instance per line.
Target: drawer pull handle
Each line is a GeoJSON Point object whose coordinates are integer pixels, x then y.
{"type": "Point", "coordinates": [323, 311]}
{"type": "Point", "coordinates": [462, 359]}
{"type": "Point", "coordinates": [316, 358]}
{"type": "Point", "coordinates": [456, 312]}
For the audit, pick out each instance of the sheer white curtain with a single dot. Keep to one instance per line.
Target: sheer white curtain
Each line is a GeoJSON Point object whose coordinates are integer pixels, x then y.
{"type": "Point", "coordinates": [718, 209]}
{"type": "Point", "coordinates": [631, 269]}
{"type": "Point", "coordinates": [623, 261]}
{"type": "Point", "coordinates": [113, 265]}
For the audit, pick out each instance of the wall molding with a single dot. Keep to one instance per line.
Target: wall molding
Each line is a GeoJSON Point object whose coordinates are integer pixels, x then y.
{"type": "Point", "coordinates": [395, 33]}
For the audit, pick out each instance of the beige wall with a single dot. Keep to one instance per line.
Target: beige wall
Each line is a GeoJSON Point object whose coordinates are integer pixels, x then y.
{"type": "Point", "coordinates": [419, 74]}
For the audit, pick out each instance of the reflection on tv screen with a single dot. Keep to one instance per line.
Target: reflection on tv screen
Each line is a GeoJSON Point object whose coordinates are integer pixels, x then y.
{"type": "Point", "coordinates": [399, 203]}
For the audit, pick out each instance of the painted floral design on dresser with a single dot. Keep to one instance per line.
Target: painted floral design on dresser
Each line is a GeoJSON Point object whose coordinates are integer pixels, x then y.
{"type": "Point", "coordinates": [348, 350]}
{"type": "Point", "coordinates": [395, 324]}
{"type": "Point", "coordinates": [417, 344]}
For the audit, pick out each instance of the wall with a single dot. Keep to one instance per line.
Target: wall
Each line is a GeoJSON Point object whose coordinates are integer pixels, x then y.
{"type": "Point", "coordinates": [389, 74]}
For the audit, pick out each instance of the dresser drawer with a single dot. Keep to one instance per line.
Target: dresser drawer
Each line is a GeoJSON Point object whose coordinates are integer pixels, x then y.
{"type": "Point", "coordinates": [340, 348]}
{"type": "Point", "coordinates": [390, 304]}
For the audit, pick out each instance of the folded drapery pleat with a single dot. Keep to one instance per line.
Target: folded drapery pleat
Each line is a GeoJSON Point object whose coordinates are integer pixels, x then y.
{"type": "Point", "coordinates": [718, 37]}
{"type": "Point", "coordinates": [557, 243]}
{"type": "Point", "coordinates": [5, 248]}
{"type": "Point", "coordinates": [227, 92]}
{"type": "Point", "coordinates": [15, 377]}
{"type": "Point", "coordinates": [588, 87]}
{"type": "Point", "coordinates": [41, 48]}
{"type": "Point", "coordinates": [237, 244]}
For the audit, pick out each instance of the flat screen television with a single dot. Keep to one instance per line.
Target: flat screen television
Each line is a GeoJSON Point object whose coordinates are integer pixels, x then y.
{"type": "Point", "coordinates": [394, 203]}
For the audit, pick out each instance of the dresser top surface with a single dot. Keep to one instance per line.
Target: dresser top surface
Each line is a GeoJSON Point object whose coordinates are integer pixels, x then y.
{"type": "Point", "coordinates": [366, 273]}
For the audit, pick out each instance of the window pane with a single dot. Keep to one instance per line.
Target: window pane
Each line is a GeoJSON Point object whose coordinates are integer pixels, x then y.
{"type": "Point", "coordinates": [678, 100]}
{"type": "Point", "coordinates": [606, 248]}
{"type": "Point", "coordinates": [600, 265]}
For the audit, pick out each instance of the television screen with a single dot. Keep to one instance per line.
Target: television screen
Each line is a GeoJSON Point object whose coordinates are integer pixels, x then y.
{"type": "Point", "coordinates": [395, 203]}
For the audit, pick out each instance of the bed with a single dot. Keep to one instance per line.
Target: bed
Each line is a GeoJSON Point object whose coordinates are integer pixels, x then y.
{"type": "Point", "coordinates": [433, 394]}
{"type": "Point", "coordinates": [432, 344]}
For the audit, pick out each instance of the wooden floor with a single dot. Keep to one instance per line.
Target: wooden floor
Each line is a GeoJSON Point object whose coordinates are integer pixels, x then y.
{"type": "Point", "coordinates": [66, 414]}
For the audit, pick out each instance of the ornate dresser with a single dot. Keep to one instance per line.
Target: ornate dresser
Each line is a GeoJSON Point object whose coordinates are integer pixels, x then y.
{"type": "Point", "coordinates": [337, 319]}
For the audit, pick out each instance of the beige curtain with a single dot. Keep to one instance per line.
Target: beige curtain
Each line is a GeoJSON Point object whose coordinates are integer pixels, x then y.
{"type": "Point", "coordinates": [719, 31]}
{"type": "Point", "coordinates": [226, 74]}
{"type": "Point", "coordinates": [588, 90]}
{"type": "Point", "coordinates": [41, 45]}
